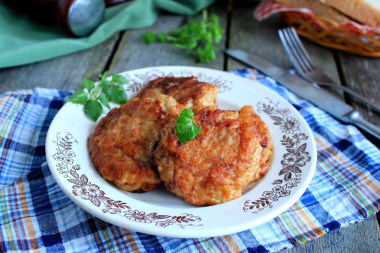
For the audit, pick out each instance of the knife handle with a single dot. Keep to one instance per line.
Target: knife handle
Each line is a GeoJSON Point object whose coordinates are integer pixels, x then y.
{"type": "Point", "coordinates": [356, 119]}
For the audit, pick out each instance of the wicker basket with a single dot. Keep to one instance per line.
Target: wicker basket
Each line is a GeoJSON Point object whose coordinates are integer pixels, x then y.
{"type": "Point", "coordinates": [331, 34]}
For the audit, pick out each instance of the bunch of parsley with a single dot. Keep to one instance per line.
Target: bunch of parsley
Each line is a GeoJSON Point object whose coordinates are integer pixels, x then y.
{"type": "Point", "coordinates": [95, 96]}
{"type": "Point", "coordinates": [196, 35]}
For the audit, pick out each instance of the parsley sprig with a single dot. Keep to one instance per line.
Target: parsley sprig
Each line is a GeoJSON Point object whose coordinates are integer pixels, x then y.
{"type": "Point", "coordinates": [196, 35]}
{"type": "Point", "coordinates": [186, 128]}
{"type": "Point", "coordinates": [95, 96]}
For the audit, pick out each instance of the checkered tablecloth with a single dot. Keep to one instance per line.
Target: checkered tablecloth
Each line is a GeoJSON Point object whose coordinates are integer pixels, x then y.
{"type": "Point", "coordinates": [35, 215]}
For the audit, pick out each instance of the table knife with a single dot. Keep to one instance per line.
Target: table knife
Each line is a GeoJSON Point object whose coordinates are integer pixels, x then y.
{"type": "Point", "coordinates": [325, 100]}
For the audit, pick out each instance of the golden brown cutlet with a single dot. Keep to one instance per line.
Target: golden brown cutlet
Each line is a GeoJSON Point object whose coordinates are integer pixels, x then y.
{"type": "Point", "coordinates": [232, 150]}
{"type": "Point", "coordinates": [188, 91]}
{"type": "Point", "coordinates": [122, 144]}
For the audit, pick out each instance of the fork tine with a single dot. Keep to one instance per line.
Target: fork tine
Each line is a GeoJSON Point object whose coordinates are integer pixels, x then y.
{"type": "Point", "coordinates": [290, 50]}
{"type": "Point", "coordinates": [301, 49]}
{"type": "Point", "coordinates": [296, 51]}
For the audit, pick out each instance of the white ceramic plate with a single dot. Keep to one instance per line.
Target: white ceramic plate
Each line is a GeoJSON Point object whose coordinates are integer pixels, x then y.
{"type": "Point", "coordinates": [159, 212]}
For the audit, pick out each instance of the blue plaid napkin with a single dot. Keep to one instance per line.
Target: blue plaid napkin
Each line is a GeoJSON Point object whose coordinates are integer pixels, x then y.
{"type": "Point", "coordinates": [36, 215]}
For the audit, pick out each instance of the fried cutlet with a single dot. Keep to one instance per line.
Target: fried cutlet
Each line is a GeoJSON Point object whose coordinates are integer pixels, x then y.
{"type": "Point", "coordinates": [188, 91]}
{"type": "Point", "coordinates": [122, 144]}
{"type": "Point", "coordinates": [216, 166]}
{"type": "Point", "coordinates": [265, 142]}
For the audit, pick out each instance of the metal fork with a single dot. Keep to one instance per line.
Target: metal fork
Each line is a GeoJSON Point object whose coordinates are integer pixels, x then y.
{"type": "Point", "coordinates": [307, 68]}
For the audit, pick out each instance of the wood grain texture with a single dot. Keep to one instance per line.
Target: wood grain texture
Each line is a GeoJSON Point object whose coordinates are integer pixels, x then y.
{"type": "Point", "coordinates": [65, 73]}
{"type": "Point", "coordinates": [134, 53]}
{"type": "Point", "coordinates": [261, 38]}
{"type": "Point", "coordinates": [362, 74]}
{"type": "Point", "coordinates": [378, 225]}
{"type": "Point", "coordinates": [357, 237]}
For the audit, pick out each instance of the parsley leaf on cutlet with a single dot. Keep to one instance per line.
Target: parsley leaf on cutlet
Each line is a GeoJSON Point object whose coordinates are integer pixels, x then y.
{"type": "Point", "coordinates": [186, 128]}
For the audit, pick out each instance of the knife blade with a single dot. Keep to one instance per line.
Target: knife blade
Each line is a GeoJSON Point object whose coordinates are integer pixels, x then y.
{"type": "Point", "coordinates": [319, 97]}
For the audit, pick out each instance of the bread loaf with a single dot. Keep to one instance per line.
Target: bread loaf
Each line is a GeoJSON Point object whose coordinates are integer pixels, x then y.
{"type": "Point", "coordinates": [364, 11]}
{"type": "Point", "coordinates": [318, 8]}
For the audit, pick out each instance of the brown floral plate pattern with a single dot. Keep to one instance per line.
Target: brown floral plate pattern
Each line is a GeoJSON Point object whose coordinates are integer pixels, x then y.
{"type": "Point", "coordinates": [160, 213]}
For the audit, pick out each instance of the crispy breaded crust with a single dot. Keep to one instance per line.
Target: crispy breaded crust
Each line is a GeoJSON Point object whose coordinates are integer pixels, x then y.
{"type": "Point", "coordinates": [122, 144]}
{"type": "Point", "coordinates": [264, 139]}
{"type": "Point", "coordinates": [220, 162]}
{"type": "Point", "coordinates": [188, 91]}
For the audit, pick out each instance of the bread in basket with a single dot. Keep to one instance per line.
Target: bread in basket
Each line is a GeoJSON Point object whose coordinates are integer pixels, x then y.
{"type": "Point", "coordinates": [327, 25]}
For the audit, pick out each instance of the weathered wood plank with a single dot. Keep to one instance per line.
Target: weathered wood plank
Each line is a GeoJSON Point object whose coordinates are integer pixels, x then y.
{"type": "Point", "coordinates": [362, 74]}
{"type": "Point", "coordinates": [133, 53]}
{"type": "Point", "coordinates": [261, 38]}
{"type": "Point", "coordinates": [353, 238]}
{"type": "Point", "coordinates": [378, 225]}
{"type": "Point", "coordinates": [64, 72]}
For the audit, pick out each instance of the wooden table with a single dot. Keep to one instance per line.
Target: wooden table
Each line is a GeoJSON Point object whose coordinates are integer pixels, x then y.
{"type": "Point", "coordinates": [125, 51]}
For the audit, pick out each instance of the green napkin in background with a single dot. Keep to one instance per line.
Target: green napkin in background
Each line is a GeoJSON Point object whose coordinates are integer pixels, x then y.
{"type": "Point", "coordinates": [23, 41]}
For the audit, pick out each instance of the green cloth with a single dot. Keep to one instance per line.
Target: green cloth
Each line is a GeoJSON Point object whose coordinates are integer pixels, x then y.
{"type": "Point", "coordinates": [23, 41]}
